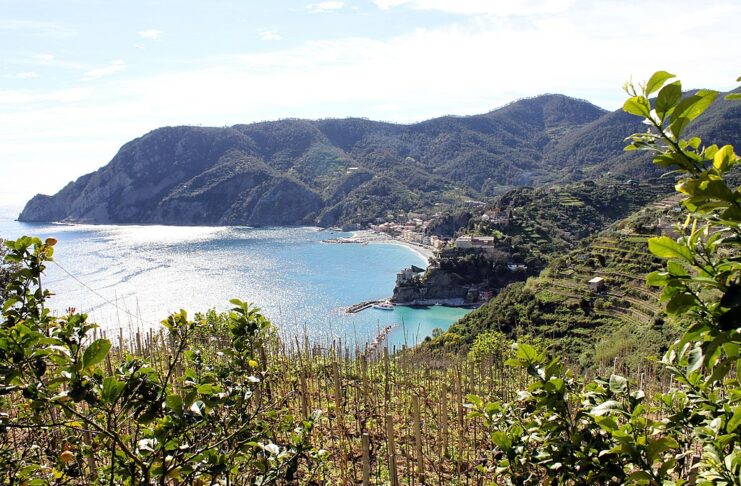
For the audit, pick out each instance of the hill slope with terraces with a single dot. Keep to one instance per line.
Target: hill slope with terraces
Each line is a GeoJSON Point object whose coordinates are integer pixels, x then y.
{"type": "Point", "coordinates": [616, 320]}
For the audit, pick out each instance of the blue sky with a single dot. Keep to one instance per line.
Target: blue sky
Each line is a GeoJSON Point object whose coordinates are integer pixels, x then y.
{"type": "Point", "coordinates": [81, 77]}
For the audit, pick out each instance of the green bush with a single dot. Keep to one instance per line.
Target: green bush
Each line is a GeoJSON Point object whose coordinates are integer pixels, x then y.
{"type": "Point", "coordinates": [564, 431]}
{"type": "Point", "coordinates": [191, 414]}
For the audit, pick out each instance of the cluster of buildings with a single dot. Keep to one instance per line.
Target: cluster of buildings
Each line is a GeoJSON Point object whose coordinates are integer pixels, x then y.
{"type": "Point", "coordinates": [413, 231]}
{"type": "Point", "coordinates": [485, 243]}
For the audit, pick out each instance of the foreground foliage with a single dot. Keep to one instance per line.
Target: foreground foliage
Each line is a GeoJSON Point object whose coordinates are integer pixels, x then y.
{"type": "Point", "coordinates": [218, 399]}
{"type": "Point", "coordinates": [561, 430]}
{"type": "Point", "coordinates": [77, 414]}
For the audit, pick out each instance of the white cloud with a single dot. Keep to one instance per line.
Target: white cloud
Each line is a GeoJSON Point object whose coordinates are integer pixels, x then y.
{"type": "Point", "coordinates": [466, 67]}
{"type": "Point", "coordinates": [325, 7]}
{"type": "Point", "coordinates": [270, 35]}
{"type": "Point", "coordinates": [101, 72]}
{"type": "Point", "coordinates": [37, 28]}
{"type": "Point", "coordinates": [69, 95]}
{"type": "Point", "coordinates": [16, 97]}
{"type": "Point", "coordinates": [26, 75]}
{"type": "Point", "coordinates": [45, 60]}
{"type": "Point", "coordinates": [150, 34]}
{"type": "Point", "coordinates": [28, 97]}
{"type": "Point", "coordinates": [43, 57]}
{"type": "Point", "coordinates": [478, 7]}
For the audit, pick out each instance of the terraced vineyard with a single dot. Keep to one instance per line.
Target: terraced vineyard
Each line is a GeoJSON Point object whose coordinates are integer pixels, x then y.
{"type": "Point", "coordinates": [544, 221]}
{"type": "Point", "coordinates": [619, 324]}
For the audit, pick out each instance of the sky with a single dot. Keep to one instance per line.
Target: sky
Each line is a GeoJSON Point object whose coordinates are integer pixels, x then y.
{"type": "Point", "coordinates": [80, 78]}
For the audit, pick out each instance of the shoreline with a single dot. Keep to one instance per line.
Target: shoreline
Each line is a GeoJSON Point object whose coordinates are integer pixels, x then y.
{"type": "Point", "coordinates": [378, 238]}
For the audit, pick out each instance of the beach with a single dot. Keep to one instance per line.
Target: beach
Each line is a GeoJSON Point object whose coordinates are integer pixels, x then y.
{"type": "Point", "coordinates": [382, 238]}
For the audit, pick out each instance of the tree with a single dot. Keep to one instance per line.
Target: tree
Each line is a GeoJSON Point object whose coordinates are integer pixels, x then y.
{"type": "Point", "coordinates": [184, 412]}
{"type": "Point", "coordinates": [561, 430]}
{"type": "Point", "coordinates": [6, 272]}
{"type": "Point", "coordinates": [702, 279]}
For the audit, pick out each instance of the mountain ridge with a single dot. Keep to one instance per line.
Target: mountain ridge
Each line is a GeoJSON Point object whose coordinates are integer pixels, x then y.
{"type": "Point", "coordinates": [348, 172]}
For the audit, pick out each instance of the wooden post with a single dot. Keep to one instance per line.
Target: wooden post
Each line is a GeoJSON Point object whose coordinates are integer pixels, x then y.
{"type": "Point", "coordinates": [387, 380]}
{"type": "Point", "coordinates": [304, 394]}
{"type": "Point", "coordinates": [459, 399]}
{"type": "Point", "coordinates": [393, 473]}
{"type": "Point", "coordinates": [364, 370]}
{"type": "Point", "coordinates": [444, 418]}
{"type": "Point", "coordinates": [418, 436]}
{"type": "Point", "coordinates": [337, 391]}
{"type": "Point", "coordinates": [366, 459]}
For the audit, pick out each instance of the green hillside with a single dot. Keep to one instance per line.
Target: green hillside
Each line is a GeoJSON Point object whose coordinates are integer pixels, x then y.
{"type": "Point", "coordinates": [540, 222]}
{"type": "Point", "coordinates": [622, 321]}
{"type": "Point", "coordinates": [353, 172]}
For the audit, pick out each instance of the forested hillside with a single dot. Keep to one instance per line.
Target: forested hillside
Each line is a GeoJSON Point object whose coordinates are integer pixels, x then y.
{"type": "Point", "coordinates": [352, 171]}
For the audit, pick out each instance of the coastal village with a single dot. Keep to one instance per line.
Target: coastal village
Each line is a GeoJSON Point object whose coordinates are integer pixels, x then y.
{"type": "Point", "coordinates": [474, 253]}
{"type": "Point", "coordinates": [436, 285]}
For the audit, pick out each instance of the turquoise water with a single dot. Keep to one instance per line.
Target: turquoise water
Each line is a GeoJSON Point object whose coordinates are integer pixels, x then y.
{"type": "Point", "coordinates": [133, 276]}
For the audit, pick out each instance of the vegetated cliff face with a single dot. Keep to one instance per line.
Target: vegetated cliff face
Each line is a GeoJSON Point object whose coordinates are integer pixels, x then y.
{"type": "Point", "coordinates": [534, 226]}
{"type": "Point", "coordinates": [329, 172]}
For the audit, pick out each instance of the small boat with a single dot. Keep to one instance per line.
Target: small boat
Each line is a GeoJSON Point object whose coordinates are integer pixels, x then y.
{"type": "Point", "coordinates": [383, 306]}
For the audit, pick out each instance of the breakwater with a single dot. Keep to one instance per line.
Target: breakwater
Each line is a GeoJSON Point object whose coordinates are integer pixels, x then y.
{"type": "Point", "coordinates": [354, 309]}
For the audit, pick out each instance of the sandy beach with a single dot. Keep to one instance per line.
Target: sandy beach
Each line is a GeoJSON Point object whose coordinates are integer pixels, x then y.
{"type": "Point", "coordinates": [380, 238]}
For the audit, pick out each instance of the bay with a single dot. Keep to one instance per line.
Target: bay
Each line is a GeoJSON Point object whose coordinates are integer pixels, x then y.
{"type": "Point", "coordinates": [132, 277]}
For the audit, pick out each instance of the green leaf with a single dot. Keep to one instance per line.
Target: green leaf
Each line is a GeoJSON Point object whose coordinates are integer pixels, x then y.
{"type": "Point", "coordinates": [475, 400]}
{"type": "Point", "coordinates": [95, 353]}
{"type": "Point", "coordinates": [735, 420]}
{"type": "Point", "coordinates": [657, 279]}
{"type": "Point", "coordinates": [515, 363]}
{"type": "Point", "coordinates": [527, 353]}
{"type": "Point", "coordinates": [112, 388]}
{"type": "Point", "coordinates": [667, 99]}
{"type": "Point", "coordinates": [657, 81]}
{"type": "Point", "coordinates": [694, 360]}
{"type": "Point", "coordinates": [501, 440]}
{"type": "Point", "coordinates": [639, 477]}
{"type": "Point", "coordinates": [680, 302]}
{"type": "Point", "coordinates": [637, 105]}
{"type": "Point", "coordinates": [618, 384]}
{"type": "Point", "coordinates": [656, 447]}
{"type": "Point", "coordinates": [605, 423]}
{"type": "Point", "coordinates": [700, 102]}
{"type": "Point", "coordinates": [665, 247]}
{"type": "Point", "coordinates": [724, 158]}
{"type": "Point", "coordinates": [676, 269]}
{"type": "Point", "coordinates": [174, 403]}
{"type": "Point", "coordinates": [208, 389]}
{"type": "Point", "coordinates": [690, 108]}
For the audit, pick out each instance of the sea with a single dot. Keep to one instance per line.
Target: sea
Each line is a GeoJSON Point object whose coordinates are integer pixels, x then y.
{"type": "Point", "coordinates": [133, 277]}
